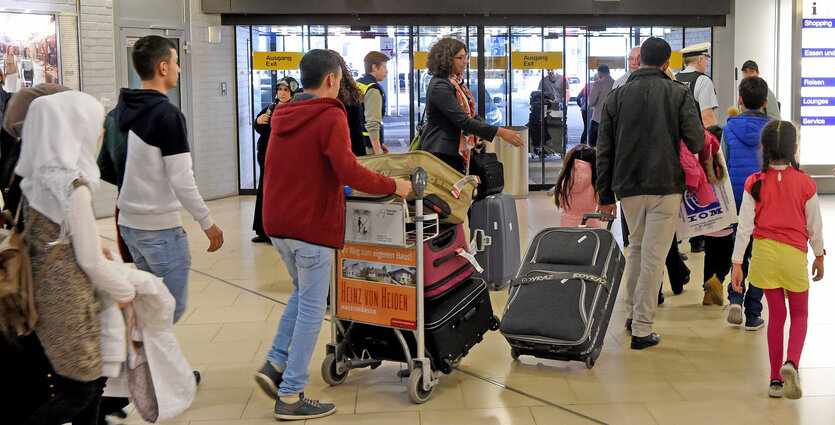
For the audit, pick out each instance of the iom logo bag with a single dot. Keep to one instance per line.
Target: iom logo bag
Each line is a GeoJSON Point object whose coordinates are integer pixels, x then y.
{"type": "Point", "coordinates": [696, 220]}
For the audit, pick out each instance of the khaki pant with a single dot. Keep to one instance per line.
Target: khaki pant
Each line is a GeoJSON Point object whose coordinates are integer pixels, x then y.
{"type": "Point", "coordinates": [652, 224]}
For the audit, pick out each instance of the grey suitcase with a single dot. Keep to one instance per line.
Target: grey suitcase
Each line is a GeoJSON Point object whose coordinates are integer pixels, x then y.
{"type": "Point", "coordinates": [560, 303]}
{"type": "Point", "coordinates": [496, 216]}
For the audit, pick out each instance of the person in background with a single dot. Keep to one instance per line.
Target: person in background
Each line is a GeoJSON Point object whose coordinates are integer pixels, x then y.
{"type": "Point", "coordinates": [352, 99]}
{"type": "Point", "coordinates": [582, 102]}
{"type": "Point", "coordinates": [772, 106]}
{"type": "Point", "coordinates": [28, 67]}
{"type": "Point", "coordinates": [599, 91]}
{"type": "Point", "coordinates": [374, 99]}
{"type": "Point", "coordinates": [308, 163]}
{"type": "Point", "coordinates": [452, 128]}
{"type": "Point", "coordinates": [638, 162]}
{"type": "Point", "coordinates": [554, 89]}
{"type": "Point", "coordinates": [634, 62]}
{"type": "Point", "coordinates": [284, 91]}
{"type": "Point", "coordinates": [781, 210]}
{"type": "Point", "coordinates": [742, 149]}
{"type": "Point", "coordinates": [575, 192]}
{"type": "Point", "coordinates": [12, 78]}
{"type": "Point", "coordinates": [693, 76]}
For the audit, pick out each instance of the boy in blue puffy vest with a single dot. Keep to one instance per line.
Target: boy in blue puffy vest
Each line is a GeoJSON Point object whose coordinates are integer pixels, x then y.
{"type": "Point", "coordinates": [743, 153]}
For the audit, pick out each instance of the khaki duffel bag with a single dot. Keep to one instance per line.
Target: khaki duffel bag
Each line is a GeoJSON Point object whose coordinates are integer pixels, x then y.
{"type": "Point", "coordinates": [442, 180]}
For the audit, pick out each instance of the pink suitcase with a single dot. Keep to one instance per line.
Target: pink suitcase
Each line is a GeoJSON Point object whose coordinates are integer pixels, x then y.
{"type": "Point", "coordinates": [446, 261]}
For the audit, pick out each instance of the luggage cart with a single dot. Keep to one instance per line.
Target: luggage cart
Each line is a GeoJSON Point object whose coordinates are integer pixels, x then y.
{"type": "Point", "coordinates": [388, 229]}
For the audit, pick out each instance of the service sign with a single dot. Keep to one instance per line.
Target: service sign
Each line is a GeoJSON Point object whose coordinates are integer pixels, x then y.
{"type": "Point", "coordinates": [276, 60]}
{"type": "Point", "coordinates": [817, 86]}
{"type": "Point", "coordinates": [376, 285]}
{"type": "Point", "coordinates": [536, 60]}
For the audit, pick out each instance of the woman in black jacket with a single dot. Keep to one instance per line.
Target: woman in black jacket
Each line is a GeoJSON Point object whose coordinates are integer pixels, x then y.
{"type": "Point", "coordinates": [284, 91]}
{"type": "Point", "coordinates": [351, 97]}
{"type": "Point", "coordinates": [452, 127]}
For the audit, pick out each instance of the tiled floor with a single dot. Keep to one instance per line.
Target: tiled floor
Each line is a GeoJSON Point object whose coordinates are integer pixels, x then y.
{"type": "Point", "coordinates": [704, 372]}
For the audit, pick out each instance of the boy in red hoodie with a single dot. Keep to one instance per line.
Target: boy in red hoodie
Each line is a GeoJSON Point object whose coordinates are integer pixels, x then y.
{"type": "Point", "coordinates": [308, 161]}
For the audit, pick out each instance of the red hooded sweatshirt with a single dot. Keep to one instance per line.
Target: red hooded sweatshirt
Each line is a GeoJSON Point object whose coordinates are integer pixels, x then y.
{"type": "Point", "coordinates": [308, 161]}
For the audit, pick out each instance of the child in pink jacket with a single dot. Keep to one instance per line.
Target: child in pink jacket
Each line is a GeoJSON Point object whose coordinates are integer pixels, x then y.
{"type": "Point", "coordinates": [575, 192]}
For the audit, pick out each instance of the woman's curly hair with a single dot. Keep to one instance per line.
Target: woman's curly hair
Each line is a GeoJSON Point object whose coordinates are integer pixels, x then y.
{"type": "Point", "coordinates": [441, 60]}
{"type": "Point", "coordinates": [349, 92]}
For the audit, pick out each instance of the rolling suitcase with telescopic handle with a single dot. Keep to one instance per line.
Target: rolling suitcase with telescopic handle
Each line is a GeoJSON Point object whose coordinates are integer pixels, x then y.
{"type": "Point", "coordinates": [560, 302]}
{"type": "Point", "coordinates": [495, 215]}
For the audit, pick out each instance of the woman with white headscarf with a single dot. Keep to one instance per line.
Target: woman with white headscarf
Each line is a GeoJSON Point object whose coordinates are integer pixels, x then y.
{"type": "Point", "coordinates": [59, 171]}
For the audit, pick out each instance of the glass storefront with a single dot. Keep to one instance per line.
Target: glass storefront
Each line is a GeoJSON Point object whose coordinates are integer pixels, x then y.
{"type": "Point", "coordinates": [512, 93]}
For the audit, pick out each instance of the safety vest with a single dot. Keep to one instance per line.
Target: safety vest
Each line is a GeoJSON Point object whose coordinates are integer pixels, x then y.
{"type": "Point", "coordinates": [689, 79]}
{"type": "Point", "coordinates": [365, 83]}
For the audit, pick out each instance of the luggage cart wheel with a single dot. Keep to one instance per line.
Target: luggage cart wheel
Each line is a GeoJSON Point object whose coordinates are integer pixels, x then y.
{"type": "Point", "coordinates": [494, 323]}
{"type": "Point", "coordinates": [329, 373]}
{"type": "Point", "coordinates": [589, 362]}
{"type": "Point", "coordinates": [416, 392]}
{"type": "Point", "coordinates": [514, 353]}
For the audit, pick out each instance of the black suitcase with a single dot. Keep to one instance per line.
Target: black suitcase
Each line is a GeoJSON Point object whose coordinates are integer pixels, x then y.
{"type": "Point", "coordinates": [454, 324]}
{"type": "Point", "coordinates": [560, 303]}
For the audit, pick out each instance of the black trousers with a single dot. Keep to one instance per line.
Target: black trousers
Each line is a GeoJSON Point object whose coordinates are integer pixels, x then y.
{"type": "Point", "coordinates": [75, 402]}
{"type": "Point", "coordinates": [257, 222]}
{"type": "Point", "coordinates": [585, 114]}
{"type": "Point", "coordinates": [593, 133]}
{"type": "Point", "coordinates": [718, 252]}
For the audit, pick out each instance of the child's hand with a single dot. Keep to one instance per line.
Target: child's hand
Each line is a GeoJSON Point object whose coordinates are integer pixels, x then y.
{"type": "Point", "coordinates": [817, 269]}
{"type": "Point", "coordinates": [736, 278]}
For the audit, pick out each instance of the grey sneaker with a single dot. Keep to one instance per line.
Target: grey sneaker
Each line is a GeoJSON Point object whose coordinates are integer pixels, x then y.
{"type": "Point", "coordinates": [775, 388]}
{"type": "Point", "coordinates": [268, 378]}
{"type": "Point", "coordinates": [305, 408]}
{"type": "Point", "coordinates": [791, 381]}
{"type": "Point", "coordinates": [735, 314]}
{"type": "Point", "coordinates": [754, 323]}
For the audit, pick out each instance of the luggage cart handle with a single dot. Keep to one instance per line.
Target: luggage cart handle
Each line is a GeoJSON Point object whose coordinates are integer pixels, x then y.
{"type": "Point", "coordinates": [609, 218]}
{"type": "Point", "coordinates": [418, 182]}
{"type": "Point", "coordinates": [381, 199]}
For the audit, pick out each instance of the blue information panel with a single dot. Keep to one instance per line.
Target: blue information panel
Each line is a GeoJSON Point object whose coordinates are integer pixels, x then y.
{"type": "Point", "coordinates": [817, 74]}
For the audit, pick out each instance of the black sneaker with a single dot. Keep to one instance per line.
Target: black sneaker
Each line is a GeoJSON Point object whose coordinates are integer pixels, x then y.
{"type": "Point", "coordinates": [261, 239]}
{"type": "Point", "coordinates": [641, 342]}
{"type": "Point", "coordinates": [305, 408]}
{"type": "Point", "coordinates": [268, 378]}
{"type": "Point", "coordinates": [629, 325]}
{"type": "Point", "coordinates": [775, 388]}
{"type": "Point", "coordinates": [697, 245]}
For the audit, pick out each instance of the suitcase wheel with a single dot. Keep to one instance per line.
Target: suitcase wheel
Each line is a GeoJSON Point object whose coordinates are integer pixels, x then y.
{"type": "Point", "coordinates": [514, 353]}
{"type": "Point", "coordinates": [495, 323]}
{"type": "Point", "coordinates": [589, 362]}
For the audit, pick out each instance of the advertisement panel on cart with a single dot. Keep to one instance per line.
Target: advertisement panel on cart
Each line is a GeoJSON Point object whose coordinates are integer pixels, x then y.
{"type": "Point", "coordinates": [376, 285]}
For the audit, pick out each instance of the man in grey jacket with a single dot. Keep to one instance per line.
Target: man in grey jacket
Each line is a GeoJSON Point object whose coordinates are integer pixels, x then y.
{"type": "Point", "coordinates": [642, 124]}
{"type": "Point", "coordinates": [772, 108]}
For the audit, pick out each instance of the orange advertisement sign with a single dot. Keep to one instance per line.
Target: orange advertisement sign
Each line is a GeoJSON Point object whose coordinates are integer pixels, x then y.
{"type": "Point", "coordinates": [377, 285]}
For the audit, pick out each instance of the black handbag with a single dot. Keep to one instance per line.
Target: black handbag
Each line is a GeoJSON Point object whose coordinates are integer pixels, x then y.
{"type": "Point", "coordinates": [490, 172]}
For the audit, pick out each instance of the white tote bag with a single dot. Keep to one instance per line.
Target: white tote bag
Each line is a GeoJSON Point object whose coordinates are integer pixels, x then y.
{"type": "Point", "coordinates": [695, 220]}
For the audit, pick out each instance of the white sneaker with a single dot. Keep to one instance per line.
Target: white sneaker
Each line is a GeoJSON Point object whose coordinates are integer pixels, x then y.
{"type": "Point", "coordinates": [735, 314]}
{"type": "Point", "coordinates": [791, 381]}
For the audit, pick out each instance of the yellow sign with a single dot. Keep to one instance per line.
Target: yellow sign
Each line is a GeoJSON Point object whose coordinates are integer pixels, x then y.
{"type": "Point", "coordinates": [676, 62]}
{"type": "Point", "coordinates": [613, 62]}
{"type": "Point", "coordinates": [276, 60]}
{"type": "Point", "coordinates": [420, 59]}
{"type": "Point", "coordinates": [490, 62]}
{"type": "Point", "coordinates": [536, 60]}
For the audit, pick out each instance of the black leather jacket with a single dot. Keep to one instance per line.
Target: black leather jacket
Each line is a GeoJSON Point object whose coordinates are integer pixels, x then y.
{"type": "Point", "coordinates": [445, 120]}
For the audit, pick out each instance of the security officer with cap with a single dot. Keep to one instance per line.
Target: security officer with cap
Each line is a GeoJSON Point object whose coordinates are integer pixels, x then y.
{"type": "Point", "coordinates": [695, 59]}
{"type": "Point", "coordinates": [701, 86]}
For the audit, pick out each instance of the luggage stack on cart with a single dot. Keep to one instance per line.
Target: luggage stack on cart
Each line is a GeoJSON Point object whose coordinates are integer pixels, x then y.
{"type": "Point", "coordinates": [404, 289]}
{"type": "Point", "coordinates": [561, 300]}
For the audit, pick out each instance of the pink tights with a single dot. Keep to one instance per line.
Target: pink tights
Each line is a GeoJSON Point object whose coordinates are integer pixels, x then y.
{"type": "Point", "coordinates": [799, 310]}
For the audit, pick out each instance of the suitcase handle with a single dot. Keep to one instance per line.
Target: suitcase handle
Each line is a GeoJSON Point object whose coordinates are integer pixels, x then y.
{"type": "Point", "coordinates": [445, 258]}
{"type": "Point", "coordinates": [609, 218]}
{"type": "Point", "coordinates": [481, 240]}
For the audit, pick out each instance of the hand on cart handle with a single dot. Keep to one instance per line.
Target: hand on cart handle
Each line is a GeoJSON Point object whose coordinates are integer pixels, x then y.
{"type": "Point", "coordinates": [419, 182]}
{"type": "Point", "coordinates": [402, 188]}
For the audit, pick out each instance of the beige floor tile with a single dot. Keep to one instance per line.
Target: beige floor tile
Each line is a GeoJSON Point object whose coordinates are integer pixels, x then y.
{"type": "Point", "coordinates": [718, 385]}
{"type": "Point", "coordinates": [479, 394]}
{"type": "Point", "coordinates": [220, 352]}
{"type": "Point", "coordinates": [552, 388]}
{"type": "Point", "coordinates": [218, 404]}
{"type": "Point", "coordinates": [230, 314]}
{"type": "Point", "coordinates": [402, 418]}
{"type": "Point", "coordinates": [213, 299]}
{"type": "Point", "coordinates": [508, 416]}
{"type": "Point", "coordinates": [196, 333]}
{"type": "Point", "coordinates": [392, 397]}
{"type": "Point", "coordinates": [229, 375]}
{"type": "Point", "coordinates": [805, 411]}
{"type": "Point", "coordinates": [548, 415]}
{"type": "Point", "coordinates": [245, 331]}
{"type": "Point", "coordinates": [737, 412]}
{"type": "Point", "coordinates": [622, 388]}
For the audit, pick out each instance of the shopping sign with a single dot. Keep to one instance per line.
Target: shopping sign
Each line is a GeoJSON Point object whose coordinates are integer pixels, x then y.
{"type": "Point", "coordinates": [695, 219]}
{"type": "Point", "coordinates": [376, 285]}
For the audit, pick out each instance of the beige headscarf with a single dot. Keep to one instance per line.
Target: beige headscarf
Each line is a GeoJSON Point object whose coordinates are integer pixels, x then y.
{"type": "Point", "coordinates": [19, 104]}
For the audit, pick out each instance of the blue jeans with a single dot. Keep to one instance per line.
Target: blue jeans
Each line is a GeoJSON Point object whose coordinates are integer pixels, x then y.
{"type": "Point", "coordinates": [165, 254]}
{"type": "Point", "coordinates": [751, 297]}
{"type": "Point", "coordinates": [310, 268]}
